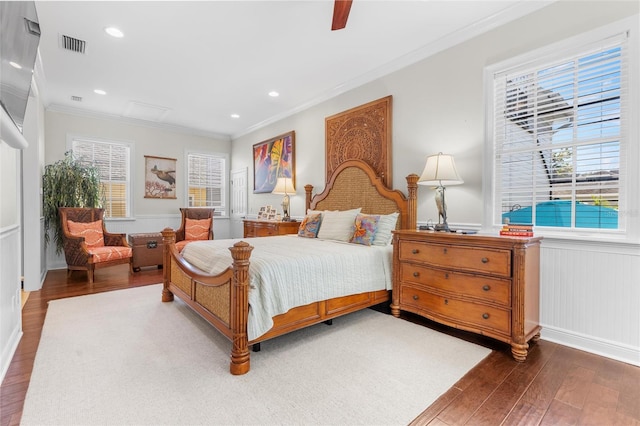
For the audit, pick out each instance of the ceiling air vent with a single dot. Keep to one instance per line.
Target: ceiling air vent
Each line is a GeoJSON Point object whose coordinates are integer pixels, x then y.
{"type": "Point", "coordinates": [76, 98]}
{"type": "Point", "coordinates": [73, 44]}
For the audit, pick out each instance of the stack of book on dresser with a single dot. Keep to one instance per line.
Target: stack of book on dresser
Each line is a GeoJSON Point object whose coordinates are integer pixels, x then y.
{"type": "Point", "coordinates": [517, 229]}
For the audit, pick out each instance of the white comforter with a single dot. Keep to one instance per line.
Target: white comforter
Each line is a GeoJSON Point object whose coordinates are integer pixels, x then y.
{"type": "Point", "coordinates": [289, 271]}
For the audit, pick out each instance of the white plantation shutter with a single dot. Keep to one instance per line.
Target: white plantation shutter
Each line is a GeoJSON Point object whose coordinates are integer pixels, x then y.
{"type": "Point", "coordinates": [113, 161]}
{"type": "Point", "coordinates": [206, 181]}
{"type": "Point", "coordinates": [559, 138]}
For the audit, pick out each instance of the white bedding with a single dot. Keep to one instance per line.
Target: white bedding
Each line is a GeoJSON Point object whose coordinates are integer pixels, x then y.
{"type": "Point", "coordinates": [288, 271]}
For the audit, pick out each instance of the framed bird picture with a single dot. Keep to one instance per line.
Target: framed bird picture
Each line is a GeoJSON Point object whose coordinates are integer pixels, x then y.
{"type": "Point", "coordinates": [159, 177]}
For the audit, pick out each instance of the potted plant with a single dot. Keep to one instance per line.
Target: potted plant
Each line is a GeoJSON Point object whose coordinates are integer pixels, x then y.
{"type": "Point", "coordinates": [67, 183]}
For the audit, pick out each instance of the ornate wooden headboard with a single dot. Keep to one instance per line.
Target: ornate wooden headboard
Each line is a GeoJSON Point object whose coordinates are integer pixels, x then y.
{"type": "Point", "coordinates": [362, 133]}
{"type": "Point", "coordinates": [354, 184]}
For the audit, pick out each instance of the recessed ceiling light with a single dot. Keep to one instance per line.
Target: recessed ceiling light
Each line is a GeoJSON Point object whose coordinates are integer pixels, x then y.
{"type": "Point", "coordinates": [100, 92]}
{"type": "Point", "coordinates": [235, 116]}
{"type": "Point", "coordinates": [114, 32]}
{"type": "Point", "coordinates": [274, 94]}
{"type": "Point", "coordinates": [15, 65]}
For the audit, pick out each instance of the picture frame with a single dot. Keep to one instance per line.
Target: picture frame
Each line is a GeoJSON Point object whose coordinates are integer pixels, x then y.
{"type": "Point", "coordinates": [159, 177]}
{"type": "Point", "coordinates": [273, 158]}
{"type": "Point", "coordinates": [267, 213]}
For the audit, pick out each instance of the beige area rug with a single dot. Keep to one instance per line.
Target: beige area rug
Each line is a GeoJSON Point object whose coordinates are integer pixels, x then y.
{"type": "Point", "coordinates": [124, 357]}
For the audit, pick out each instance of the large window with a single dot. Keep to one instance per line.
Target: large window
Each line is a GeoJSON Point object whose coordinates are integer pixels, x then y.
{"type": "Point", "coordinates": [206, 181]}
{"type": "Point", "coordinates": [559, 137]}
{"type": "Point", "coordinates": [113, 161]}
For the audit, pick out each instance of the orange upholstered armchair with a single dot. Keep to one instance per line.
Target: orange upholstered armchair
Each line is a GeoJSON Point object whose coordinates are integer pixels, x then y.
{"type": "Point", "coordinates": [196, 224]}
{"type": "Point", "coordinates": [87, 244]}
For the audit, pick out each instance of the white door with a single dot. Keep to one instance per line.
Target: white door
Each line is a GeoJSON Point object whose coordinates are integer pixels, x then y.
{"type": "Point", "coordinates": [239, 201]}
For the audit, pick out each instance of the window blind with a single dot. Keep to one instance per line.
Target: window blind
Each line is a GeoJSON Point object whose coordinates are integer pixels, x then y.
{"type": "Point", "coordinates": [559, 139]}
{"type": "Point", "coordinates": [206, 181]}
{"type": "Point", "coordinates": [112, 160]}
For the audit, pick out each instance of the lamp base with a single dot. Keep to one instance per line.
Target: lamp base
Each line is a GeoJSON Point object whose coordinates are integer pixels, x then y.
{"type": "Point", "coordinates": [441, 227]}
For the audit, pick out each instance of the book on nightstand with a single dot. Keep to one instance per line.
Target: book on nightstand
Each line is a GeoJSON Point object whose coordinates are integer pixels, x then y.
{"type": "Point", "coordinates": [517, 229]}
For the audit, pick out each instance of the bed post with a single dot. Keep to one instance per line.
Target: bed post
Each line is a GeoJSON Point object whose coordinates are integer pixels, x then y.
{"type": "Point", "coordinates": [240, 362]}
{"type": "Point", "coordinates": [307, 189]}
{"type": "Point", "coordinates": [412, 201]}
{"type": "Point", "coordinates": [168, 238]}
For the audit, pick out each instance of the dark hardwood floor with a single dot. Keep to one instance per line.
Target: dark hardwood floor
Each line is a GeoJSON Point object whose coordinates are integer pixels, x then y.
{"type": "Point", "coordinates": [557, 385]}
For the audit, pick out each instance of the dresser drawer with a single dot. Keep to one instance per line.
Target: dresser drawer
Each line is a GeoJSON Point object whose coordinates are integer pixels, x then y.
{"type": "Point", "coordinates": [473, 315]}
{"type": "Point", "coordinates": [483, 260]}
{"type": "Point", "coordinates": [484, 288]}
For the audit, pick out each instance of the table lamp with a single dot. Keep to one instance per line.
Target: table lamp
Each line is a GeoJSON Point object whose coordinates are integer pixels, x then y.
{"type": "Point", "coordinates": [440, 170]}
{"type": "Point", "coordinates": [284, 185]}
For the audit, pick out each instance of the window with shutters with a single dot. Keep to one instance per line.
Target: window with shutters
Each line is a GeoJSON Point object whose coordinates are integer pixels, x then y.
{"type": "Point", "coordinates": [206, 181]}
{"type": "Point", "coordinates": [559, 133]}
{"type": "Point", "coordinates": [113, 161]}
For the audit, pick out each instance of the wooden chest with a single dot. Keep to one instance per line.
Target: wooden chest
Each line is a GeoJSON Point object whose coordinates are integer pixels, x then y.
{"type": "Point", "coordinates": [147, 250]}
{"type": "Point", "coordinates": [484, 284]}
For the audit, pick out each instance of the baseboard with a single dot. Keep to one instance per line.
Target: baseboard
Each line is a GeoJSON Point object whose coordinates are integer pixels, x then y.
{"type": "Point", "coordinates": [9, 351]}
{"type": "Point", "coordinates": [620, 352]}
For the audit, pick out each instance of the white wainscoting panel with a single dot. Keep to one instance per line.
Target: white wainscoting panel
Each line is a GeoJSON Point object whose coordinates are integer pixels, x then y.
{"type": "Point", "coordinates": [10, 316]}
{"type": "Point", "coordinates": [590, 297]}
{"type": "Point", "coordinates": [143, 224]}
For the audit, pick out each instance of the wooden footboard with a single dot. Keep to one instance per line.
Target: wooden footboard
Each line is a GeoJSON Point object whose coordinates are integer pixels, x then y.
{"type": "Point", "coordinates": [223, 300]}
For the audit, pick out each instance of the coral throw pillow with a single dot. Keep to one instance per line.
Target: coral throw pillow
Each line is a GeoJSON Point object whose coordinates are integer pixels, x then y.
{"type": "Point", "coordinates": [91, 231]}
{"type": "Point", "coordinates": [197, 229]}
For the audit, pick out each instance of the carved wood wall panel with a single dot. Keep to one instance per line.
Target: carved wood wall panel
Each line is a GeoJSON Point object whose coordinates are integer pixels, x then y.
{"type": "Point", "coordinates": [361, 133]}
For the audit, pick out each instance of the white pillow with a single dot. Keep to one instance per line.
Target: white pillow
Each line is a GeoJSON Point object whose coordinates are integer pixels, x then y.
{"type": "Point", "coordinates": [386, 224]}
{"type": "Point", "coordinates": [337, 225]}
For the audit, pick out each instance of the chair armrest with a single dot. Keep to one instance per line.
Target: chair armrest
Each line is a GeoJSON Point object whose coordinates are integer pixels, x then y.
{"type": "Point", "coordinates": [75, 251]}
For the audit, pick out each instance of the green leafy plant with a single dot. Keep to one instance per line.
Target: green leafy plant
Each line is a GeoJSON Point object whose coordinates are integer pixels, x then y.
{"type": "Point", "coordinates": [67, 183]}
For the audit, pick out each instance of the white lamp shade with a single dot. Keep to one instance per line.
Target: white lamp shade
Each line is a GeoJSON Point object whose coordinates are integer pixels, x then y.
{"type": "Point", "coordinates": [284, 185]}
{"type": "Point", "coordinates": [440, 170]}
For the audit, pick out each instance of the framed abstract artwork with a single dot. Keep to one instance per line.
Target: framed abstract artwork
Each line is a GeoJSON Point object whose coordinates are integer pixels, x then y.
{"type": "Point", "coordinates": [159, 177]}
{"type": "Point", "coordinates": [272, 159]}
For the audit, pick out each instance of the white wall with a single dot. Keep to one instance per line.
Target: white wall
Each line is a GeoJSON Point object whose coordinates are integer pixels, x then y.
{"type": "Point", "coordinates": [34, 267]}
{"type": "Point", "coordinates": [438, 105]}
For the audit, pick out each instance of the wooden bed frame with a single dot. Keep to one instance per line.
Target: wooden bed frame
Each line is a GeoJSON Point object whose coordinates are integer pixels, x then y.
{"type": "Point", "coordinates": [222, 299]}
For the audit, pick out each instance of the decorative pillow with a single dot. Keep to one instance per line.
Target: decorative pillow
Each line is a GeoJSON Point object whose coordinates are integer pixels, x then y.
{"type": "Point", "coordinates": [91, 231]}
{"type": "Point", "coordinates": [364, 229]}
{"type": "Point", "coordinates": [197, 229]}
{"type": "Point", "coordinates": [338, 225]}
{"type": "Point", "coordinates": [310, 225]}
{"type": "Point", "coordinates": [386, 224]}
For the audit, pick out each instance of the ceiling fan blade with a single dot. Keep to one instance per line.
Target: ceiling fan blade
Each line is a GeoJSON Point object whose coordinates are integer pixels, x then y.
{"type": "Point", "coordinates": [341, 10]}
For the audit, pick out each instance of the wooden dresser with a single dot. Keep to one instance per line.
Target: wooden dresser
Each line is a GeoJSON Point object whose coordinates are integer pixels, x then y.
{"type": "Point", "coordinates": [483, 284]}
{"type": "Point", "coordinates": [265, 228]}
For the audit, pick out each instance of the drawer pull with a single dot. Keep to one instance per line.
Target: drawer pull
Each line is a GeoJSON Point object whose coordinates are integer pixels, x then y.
{"type": "Point", "coordinates": [485, 260]}
{"type": "Point", "coordinates": [445, 251]}
{"type": "Point", "coordinates": [415, 251]}
{"type": "Point", "coordinates": [446, 301]}
{"type": "Point", "coordinates": [485, 315]}
{"type": "Point", "coordinates": [415, 297]}
{"type": "Point", "coordinates": [486, 287]}
{"type": "Point", "coordinates": [416, 274]}
{"type": "Point", "coordinates": [446, 276]}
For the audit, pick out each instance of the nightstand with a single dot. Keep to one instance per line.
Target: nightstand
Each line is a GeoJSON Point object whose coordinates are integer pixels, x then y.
{"type": "Point", "coordinates": [484, 284]}
{"type": "Point", "coordinates": [267, 228]}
